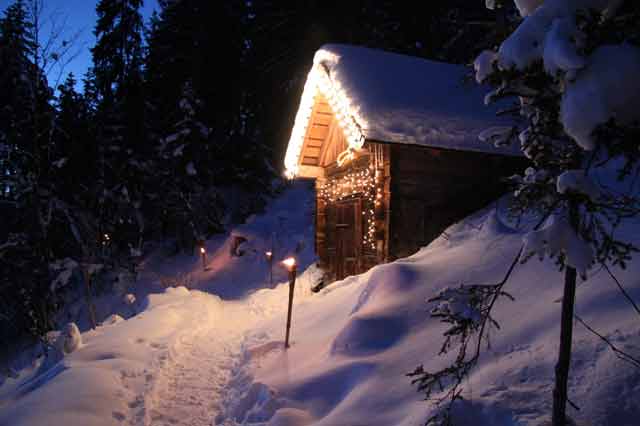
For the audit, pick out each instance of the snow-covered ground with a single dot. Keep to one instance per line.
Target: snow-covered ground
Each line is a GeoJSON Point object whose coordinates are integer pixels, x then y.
{"type": "Point", "coordinates": [213, 354]}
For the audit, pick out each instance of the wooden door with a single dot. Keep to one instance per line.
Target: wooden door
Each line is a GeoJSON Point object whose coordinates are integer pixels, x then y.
{"type": "Point", "coordinates": [348, 243]}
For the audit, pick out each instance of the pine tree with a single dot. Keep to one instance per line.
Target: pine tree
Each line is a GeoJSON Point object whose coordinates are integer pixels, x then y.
{"type": "Point", "coordinates": [189, 200]}
{"type": "Point", "coordinates": [16, 43]}
{"type": "Point", "coordinates": [197, 56]}
{"type": "Point", "coordinates": [25, 123]}
{"type": "Point", "coordinates": [75, 154]}
{"type": "Point", "coordinates": [119, 98]}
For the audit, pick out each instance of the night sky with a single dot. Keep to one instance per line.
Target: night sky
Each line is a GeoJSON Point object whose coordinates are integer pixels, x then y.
{"type": "Point", "coordinates": [81, 16]}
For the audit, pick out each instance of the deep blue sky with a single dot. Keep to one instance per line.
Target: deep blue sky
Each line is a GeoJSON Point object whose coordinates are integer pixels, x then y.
{"type": "Point", "coordinates": [81, 16]}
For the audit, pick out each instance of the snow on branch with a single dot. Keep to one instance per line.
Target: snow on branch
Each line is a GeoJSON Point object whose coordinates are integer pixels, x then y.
{"type": "Point", "coordinates": [595, 85]}
{"type": "Point", "coordinates": [577, 181]}
{"type": "Point", "coordinates": [558, 238]}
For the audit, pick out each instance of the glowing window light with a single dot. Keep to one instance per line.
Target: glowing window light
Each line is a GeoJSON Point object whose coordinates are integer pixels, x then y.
{"type": "Point", "coordinates": [350, 122]}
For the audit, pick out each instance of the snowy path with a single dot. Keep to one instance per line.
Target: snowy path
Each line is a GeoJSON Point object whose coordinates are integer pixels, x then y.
{"type": "Point", "coordinates": [185, 386]}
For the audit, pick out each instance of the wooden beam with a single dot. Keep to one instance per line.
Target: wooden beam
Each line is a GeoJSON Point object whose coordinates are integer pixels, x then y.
{"type": "Point", "coordinates": [311, 151]}
{"type": "Point", "coordinates": [322, 119]}
{"type": "Point", "coordinates": [318, 132]}
{"type": "Point", "coordinates": [310, 161]}
{"type": "Point", "coordinates": [313, 142]}
{"type": "Point", "coordinates": [310, 171]}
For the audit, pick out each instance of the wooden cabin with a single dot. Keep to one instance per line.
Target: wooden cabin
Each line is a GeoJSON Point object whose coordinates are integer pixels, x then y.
{"type": "Point", "coordinates": [392, 143]}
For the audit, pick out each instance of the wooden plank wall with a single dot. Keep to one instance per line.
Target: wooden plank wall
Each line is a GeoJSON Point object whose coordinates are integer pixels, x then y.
{"type": "Point", "coordinates": [433, 188]}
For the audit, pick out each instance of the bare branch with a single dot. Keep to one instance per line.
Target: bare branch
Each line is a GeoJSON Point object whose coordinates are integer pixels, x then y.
{"type": "Point", "coordinates": [56, 49]}
{"type": "Point", "coordinates": [622, 355]}
{"type": "Point", "coordinates": [621, 288]}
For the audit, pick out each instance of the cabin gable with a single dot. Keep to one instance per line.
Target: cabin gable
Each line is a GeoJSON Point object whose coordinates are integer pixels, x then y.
{"type": "Point", "coordinates": [324, 139]}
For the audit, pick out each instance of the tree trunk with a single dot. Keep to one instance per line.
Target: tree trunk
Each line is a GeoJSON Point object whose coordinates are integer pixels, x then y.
{"type": "Point", "coordinates": [559, 417]}
{"type": "Point", "coordinates": [90, 306]}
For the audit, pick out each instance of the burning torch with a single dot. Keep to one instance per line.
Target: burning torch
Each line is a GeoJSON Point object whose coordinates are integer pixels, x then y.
{"type": "Point", "coordinates": [203, 254]}
{"type": "Point", "coordinates": [290, 264]}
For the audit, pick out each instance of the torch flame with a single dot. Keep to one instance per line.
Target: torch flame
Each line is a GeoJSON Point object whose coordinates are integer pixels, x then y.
{"type": "Point", "coordinates": [202, 250]}
{"type": "Point", "coordinates": [269, 254]}
{"type": "Point", "coordinates": [289, 262]}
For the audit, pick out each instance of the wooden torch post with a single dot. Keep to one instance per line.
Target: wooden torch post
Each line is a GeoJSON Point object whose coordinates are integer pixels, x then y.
{"type": "Point", "coordinates": [269, 256]}
{"type": "Point", "coordinates": [203, 254]}
{"type": "Point", "coordinates": [290, 263]}
{"type": "Point", "coordinates": [88, 295]}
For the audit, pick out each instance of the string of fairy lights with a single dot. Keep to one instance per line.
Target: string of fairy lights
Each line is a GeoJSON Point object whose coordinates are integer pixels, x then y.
{"type": "Point", "coordinates": [358, 183]}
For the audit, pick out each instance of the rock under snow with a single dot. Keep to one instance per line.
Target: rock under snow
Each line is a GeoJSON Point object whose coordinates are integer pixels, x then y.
{"type": "Point", "coordinates": [129, 299]}
{"type": "Point", "coordinates": [112, 319]}
{"type": "Point", "coordinates": [69, 339]}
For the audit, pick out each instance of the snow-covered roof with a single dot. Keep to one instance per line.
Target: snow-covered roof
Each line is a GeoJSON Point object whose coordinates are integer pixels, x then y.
{"type": "Point", "coordinates": [388, 97]}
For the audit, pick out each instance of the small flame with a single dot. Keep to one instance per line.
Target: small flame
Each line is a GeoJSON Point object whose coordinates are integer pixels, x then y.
{"type": "Point", "coordinates": [202, 250]}
{"type": "Point", "coordinates": [269, 254]}
{"type": "Point", "coordinates": [289, 262]}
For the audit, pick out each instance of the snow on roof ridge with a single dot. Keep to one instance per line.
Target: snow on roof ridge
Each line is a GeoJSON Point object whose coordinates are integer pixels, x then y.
{"type": "Point", "coordinates": [391, 97]}
{"type": "Point", "coordinates": [320, 79]}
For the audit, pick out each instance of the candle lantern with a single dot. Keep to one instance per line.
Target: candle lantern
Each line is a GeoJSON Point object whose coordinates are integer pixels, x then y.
{"type": "Point", "coordinates": [290, 264]}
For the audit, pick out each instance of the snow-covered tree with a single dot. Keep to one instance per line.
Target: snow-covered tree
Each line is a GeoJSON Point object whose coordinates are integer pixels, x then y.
{"type": "Point", "coordinates": [38, 224]}
{"type": "Point", "coordinates": [16, 45]}
{"type": "Point", "coordinates": [189, 200]}
{"type": "Point", "coordinates": [117, 85]}
{"type": "Point", "coordinates": [25, 123]}
{"type": "Point", "coordinates": [571, 66]}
